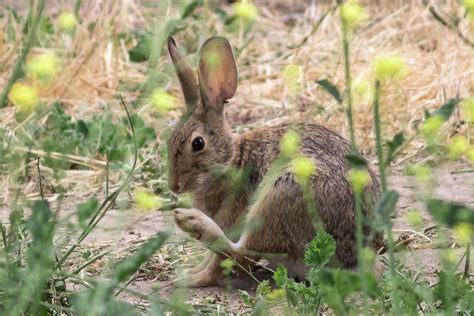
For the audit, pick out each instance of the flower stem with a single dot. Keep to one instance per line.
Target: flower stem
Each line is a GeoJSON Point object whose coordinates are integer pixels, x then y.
{"type": "Point", "coordinates": [347, 71]}
{"type": "Point", "coordinates": [17, 69]}
{"type": "Point", "coordinates": [378, 137]}
{"type": "Point", "coordinates": [383, 181]}
{"type": "Point", "coordinates": [359, 246]}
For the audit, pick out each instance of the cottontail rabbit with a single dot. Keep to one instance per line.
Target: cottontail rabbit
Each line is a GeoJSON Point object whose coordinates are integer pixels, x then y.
{"type": "Point", "coordinates": [277, 220]}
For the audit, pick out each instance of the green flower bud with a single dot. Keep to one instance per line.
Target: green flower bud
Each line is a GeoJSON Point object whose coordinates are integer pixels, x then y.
{"type": "Point", "coordinates": [162, 101]}
{"type": "Point", "coordinates": [42, 67]}
{"type": "Point", "coordinates": [431, 127]}
{"type": "Point", "coordinates": [246, 11]}
{"type": "Point", "coordinates": [390, 67]}
{"type": "Point", "coordinates": [147, 201]}
{"type": "Point", "coordinates": [290, 143]}
{"type": "Point", "coordinates": [353, 14]}
{"type": "Point", "coordinates": [292, 78]}
{"type": "Point", "coordinates": [24, 97]}
{"type": "Point", "coordinates": [458, 147]}
{"type": "Point", "coordinates": [414, 218]}
{"type": "Point", "coordinates": [463, 233]}
{"type": "Point", "coordinates": [303, 168]}
{"type": "Point", "coordinates": [67, 21]}
{"type": "Point", "coordinates": [359, 179]}
{"type": "Point", "coordinates": [468, 109]}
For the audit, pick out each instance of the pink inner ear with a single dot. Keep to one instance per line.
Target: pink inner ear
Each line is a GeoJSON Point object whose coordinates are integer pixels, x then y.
{"type": "Point", "coordinates": [217, 71]}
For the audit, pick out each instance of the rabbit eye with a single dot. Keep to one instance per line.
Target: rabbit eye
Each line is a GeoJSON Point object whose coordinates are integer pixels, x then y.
{"type": "Point", "coordinates": [198, 144]}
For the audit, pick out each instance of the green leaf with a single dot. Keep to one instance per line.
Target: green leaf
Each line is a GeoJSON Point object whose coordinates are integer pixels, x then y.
{"type": "Point", "coordinates": [86, 210]}
{"type": "Point", "coordinates": [141, 51]}
{"type": "Point", "coordinates": [39, 222]}
{"type": "Point", "coordinates": [82, 128]}
{"type": "Point", "coordinates": [264, 288]}
{"type": "Point", "coordinates": [393, 145]}
{"type": "Point", "coordinates": [127, 267]}
{"type": "Point", "coordinates": [446, 110]}
{"type": "Point", "coordinates": [320, 250]}
{"type": "Point", "coordinates": [143, 133]}
{"type": "Point", "coordinates": [280, 276]}
{"type": "Point", "coordinates": [385, 206]}
{"type": "Point", "coordinates": [450, 213]}
{"type": "Point", "coordinates": [99, 301]}
{"type": "Point", "coordinates": [331, 89]}
{"type": "Point", "coordinates": [246, 298]}
{"type": "Point", "coordinates": [356, 161]}
{"type": "Point", "coordinates": [189, 9]}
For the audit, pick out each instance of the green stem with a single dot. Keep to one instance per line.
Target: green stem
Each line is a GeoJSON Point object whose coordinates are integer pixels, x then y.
{"type": "Point", "coordinates": [17, 69]}
{"type": "Point", "coordinates": [467, 262]}
{"type": "Point", "coordinates": [109, 200]}
{"type": "Point", "coordinates": [347, 73]}
{"type": "Point", "coordinates": [359, 246]}
{"type": "Point", "coordinates": [378, 137]}
{"type": "Point", "coordinates": [383, 180]}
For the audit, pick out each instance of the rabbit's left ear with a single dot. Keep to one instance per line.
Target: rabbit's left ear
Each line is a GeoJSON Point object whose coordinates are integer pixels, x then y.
{"type": "Point", "coordinates": [217, 73]}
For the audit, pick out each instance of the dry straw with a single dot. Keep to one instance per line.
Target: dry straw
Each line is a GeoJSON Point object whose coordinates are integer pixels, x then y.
{"type": "Point", "coordinates": [96, 68]}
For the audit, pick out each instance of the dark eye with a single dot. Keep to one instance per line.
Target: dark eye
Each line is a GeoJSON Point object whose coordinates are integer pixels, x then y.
{"type": "Point", "coordinates": [198, 143]}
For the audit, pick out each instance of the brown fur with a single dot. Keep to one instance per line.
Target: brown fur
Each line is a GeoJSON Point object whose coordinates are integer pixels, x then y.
{"type": "Point", "coordinates": [278, 218]}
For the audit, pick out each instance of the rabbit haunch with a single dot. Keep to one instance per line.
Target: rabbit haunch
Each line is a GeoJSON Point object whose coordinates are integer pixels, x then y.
{"type": "Point", "coordinates": [272, 210]}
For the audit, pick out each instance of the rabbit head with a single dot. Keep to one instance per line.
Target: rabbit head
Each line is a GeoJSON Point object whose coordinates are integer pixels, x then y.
{"type": "Point", "coordinates": [202, 138]}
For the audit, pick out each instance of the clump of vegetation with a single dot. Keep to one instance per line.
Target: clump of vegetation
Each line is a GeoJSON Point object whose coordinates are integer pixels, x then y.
{"type": "Point", "coordinates": [86, 94]}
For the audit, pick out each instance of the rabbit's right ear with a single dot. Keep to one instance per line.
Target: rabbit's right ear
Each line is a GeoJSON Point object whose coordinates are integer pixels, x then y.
{"type": "Point", "coordinates": [186, 76]}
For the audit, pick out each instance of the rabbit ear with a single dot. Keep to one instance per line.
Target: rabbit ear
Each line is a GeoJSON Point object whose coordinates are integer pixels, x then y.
{"type": "Point", "coordinates": [217, 73]}
{"type": "Point", "coordinates": [186, 75]}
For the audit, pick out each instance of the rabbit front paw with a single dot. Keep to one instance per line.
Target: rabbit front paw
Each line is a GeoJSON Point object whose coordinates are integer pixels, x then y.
{"type": "Point", "coordinates": [197, 224]}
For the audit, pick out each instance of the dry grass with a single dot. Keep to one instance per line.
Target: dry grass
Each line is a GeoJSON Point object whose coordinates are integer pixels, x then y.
{"type": "Point", "coordinates": [96, 66]}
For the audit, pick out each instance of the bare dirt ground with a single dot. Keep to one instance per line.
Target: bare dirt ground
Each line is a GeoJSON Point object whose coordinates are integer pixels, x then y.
{"type": "Point", "coordinates": [122, 228]}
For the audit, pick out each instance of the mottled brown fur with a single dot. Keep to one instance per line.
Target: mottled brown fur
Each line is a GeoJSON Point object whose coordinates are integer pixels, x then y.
{"type": "Point", "coordinates": [278, 216]}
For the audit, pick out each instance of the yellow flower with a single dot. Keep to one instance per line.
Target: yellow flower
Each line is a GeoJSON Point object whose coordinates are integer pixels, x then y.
{"type": "Point", "coordinates": [463, 233]}
{"type": "Point", "coordinates": [246, 11]}
{"type": "Point", "coordinates": [422, 173]}
{"type": "Point", "coordinates": [227, 264]}
{"type": "Point", "coordinates": [431, 127]}
{"type": "Point", "coordinates": [276, 294]}
{"type": "Point", "coordinates": [42, 67]}
{"type": "Point", "coordinates": [67, 21]}
{"type": "Point", "coordinates": [362, 89]}
{"type": "Point", "coordinates": [24, 97]}
{"type": "Point", "coordinates": [147, 201]}
{"type": "Point", "coordinates": [470, 154]}
{"type": "Point", "coordinates": [468, 4]}
{"type": "Point", "coordinates": [390, 67]}
{"type": "Point", "coordinates": [414, 218]}
{"type": "Point", "coordinates": [290, 143]}
{"type": "Point", "coordinates": [458, 147]}
{"type": "Point", "coordinates": [303, 168]}
{"type": "Point", "coordinates": [162, 101]}
{"type": "Point", "coordinates": [359, 179]}
{"type": "Point", "coordinates": [353, 14]}
{"type": "Point", "coordinates": [450, 256]}
{"type": "Point", "coordinates": [368, 256]}
{"type": "Point", "coordinates": [292, 78]}
{"type": "Point", "coordinates": [468, 109]}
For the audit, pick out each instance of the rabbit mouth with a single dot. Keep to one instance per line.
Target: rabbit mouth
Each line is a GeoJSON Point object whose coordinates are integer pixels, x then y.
{"type": "Point", "coordinates": [198, 184]}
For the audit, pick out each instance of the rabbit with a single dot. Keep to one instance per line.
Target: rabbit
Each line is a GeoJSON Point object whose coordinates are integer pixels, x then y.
{"type": "Point", "coordinates": [202, 152]}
